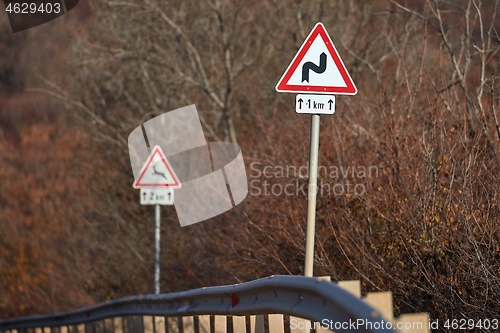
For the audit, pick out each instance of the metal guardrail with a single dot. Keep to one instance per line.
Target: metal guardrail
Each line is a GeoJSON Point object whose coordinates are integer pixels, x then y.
{"type": "Point", "coordinates": [309, 298]}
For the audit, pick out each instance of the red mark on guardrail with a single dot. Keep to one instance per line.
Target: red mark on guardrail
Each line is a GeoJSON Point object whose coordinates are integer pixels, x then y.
{"type": "Point", "coordinates": [234, 300]}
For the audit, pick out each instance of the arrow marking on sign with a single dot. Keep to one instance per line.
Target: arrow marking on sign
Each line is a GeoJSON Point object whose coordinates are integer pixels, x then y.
{"type": "Point", "coordinates": [300, 103]}
{"type": "Point", "coordinates": [330, 102]}
{"type": "Point", "coordinates": [313, 67]}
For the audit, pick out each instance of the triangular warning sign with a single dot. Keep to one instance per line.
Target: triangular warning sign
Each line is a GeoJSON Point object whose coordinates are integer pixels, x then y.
{"type": "Point", "coordinates": [157, 172]}
{"type": "Point", "coordinates": [317, 68]}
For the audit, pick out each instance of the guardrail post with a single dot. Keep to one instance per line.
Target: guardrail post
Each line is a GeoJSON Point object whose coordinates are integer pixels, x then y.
{"type": "Point", "coordinates": [159, 324]}
{"type": "Point", "coordinates": [352, 286]}
{"type": "Point", "coordinates": [108, 326]}
{"type": "Point", "coordinates": [89, 328]}
{"type": "Point", "coordinates": [220, 324]}
{"type": "Point", "coordinates": [100, 326]}
{"type": "Point", "coordinates": [381, 301]}
{"type": "Point", "coordinates": [239, 324]}
{"type": "Point", "coordinates": [188, 324]}
{"type": "Point", "coordinates": [139, 323]}
{"type": "Point", "coordinates": [276, 324]}
{"type": "Point", "coordinates": [173, 324]}
{"type": "Point", "coordinates": [204, 324]}
{"type": "Point", "coordinates": [257, 324]}
{"type": "Point", "coordinates": [147, 324]}
{"type": "Point", "coordinates": [117, 325]}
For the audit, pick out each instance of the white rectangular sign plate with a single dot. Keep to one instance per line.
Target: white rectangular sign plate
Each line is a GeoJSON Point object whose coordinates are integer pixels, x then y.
{"type": "Point", "coordinates": [157, 196]}
{"type": "Point", "coordinates": [315, 104]}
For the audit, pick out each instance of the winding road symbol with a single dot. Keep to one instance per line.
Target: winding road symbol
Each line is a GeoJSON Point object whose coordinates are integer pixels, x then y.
{"type": "Point", "coordinates": [313, 67]}
{"type": "Point", "coordinates": [331, 74]}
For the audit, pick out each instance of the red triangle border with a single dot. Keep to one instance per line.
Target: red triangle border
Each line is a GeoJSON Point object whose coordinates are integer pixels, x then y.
{"type": "Point", "coordinates": [157, 150]}
{"type": "Point", "coordinates": [320, 30]}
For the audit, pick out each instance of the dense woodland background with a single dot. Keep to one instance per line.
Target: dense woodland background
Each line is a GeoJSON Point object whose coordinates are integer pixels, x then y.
{"type": "Point", "coordinates": [72, 232]}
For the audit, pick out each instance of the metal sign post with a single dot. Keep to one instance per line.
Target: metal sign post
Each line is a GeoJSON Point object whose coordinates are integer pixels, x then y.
{"type": "Point", "coordinates": [312, 191]}
{"type": "Point", "coordinates": [157, 180]}
{"type": "Point", "coordinates": [157, 249]}
{"type": "Point", "coordinates": [317, 73]}
{"type": "Point", "coordinates": [157, 197]}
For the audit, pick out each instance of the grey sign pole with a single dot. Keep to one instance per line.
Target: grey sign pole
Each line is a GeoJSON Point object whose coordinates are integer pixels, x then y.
{"type": "Point", "coordinates": [317, 87]}
{"type": "Point", "coordinates": [157, 189]}
{"type": "Point", "coordinates": [314, 63]}
{"type": "Point", "coordinates": [311, 195]}
{"type": "Point", "coordinates": [157, 249]}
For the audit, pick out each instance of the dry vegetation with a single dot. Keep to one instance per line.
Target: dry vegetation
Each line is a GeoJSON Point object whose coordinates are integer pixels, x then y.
{"type": "Point", "coordinates": [426, 226]}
